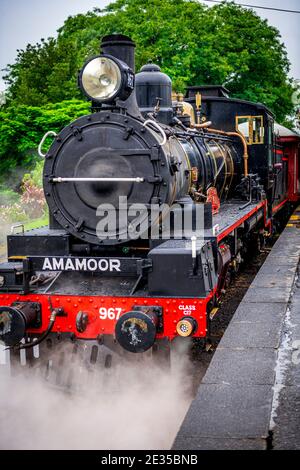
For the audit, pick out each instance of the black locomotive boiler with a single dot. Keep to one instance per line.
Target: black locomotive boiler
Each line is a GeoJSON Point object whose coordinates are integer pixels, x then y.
{"type": "Point", "coordinates": [153, 200]}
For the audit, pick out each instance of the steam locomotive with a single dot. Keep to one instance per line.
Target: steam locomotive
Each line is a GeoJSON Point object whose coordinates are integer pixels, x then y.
{"type": "Point", "coordinates": [154, 198]}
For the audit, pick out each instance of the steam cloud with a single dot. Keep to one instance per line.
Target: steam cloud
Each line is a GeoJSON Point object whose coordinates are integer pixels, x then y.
{"type": "Point", "coordinates": [130, 406]}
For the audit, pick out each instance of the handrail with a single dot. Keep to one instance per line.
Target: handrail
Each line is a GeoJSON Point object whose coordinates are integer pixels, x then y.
{"type": "Point", "coordinates": [41, 154]}
{"type": "Point", "coordinates": [158, 127]}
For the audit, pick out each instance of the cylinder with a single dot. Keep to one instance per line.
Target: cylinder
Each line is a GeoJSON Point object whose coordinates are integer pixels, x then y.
{"type": "Point", "coordinates": [14, 320]}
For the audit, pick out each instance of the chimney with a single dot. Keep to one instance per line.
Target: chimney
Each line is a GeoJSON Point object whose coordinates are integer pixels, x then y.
{"type": "Point", "coordinates": [122, 47]}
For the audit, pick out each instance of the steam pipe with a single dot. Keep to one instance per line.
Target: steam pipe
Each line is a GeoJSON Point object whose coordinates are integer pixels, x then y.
{"type": "Point", "coordinates": [202, 126]}
{"type": "Point", "coordinates": [243, 140]}
{"type": "Point", "coordinates": [245, 146]}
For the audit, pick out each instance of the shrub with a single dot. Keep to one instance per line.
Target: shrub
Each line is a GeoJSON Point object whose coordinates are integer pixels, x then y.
{"type": "Point", "coordinates": [12, 213]}
{"type": "Point", "coordinates": [30, 204]}
{"type": "Point", "coordinates": [8, 196]}
{"type": "Point", "coordinates": [33, 200]}
{"type": "Point", "coordinates": [35, 177]}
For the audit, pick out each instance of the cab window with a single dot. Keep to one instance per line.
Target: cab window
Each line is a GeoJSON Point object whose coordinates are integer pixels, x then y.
{"type": "Point", "coordinates": [252, 128]}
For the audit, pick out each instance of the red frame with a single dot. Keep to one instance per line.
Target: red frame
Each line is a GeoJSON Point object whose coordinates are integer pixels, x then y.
{"type": "Point", "coordinates": [279, 206]}
{"type": "Point", "coordinates": [173, 311]}
{"type": "Point", "coordinates": [232, 227]}
{"type": "Point", "coordinates": [173, 308]}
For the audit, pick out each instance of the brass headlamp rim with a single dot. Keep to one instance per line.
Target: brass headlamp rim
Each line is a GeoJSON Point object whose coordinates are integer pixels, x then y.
{"type": "Point", "coordinates": [122, 69]}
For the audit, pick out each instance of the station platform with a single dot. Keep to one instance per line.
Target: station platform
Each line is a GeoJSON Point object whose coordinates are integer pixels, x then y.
{"type": "Point", "coordinates": [249, 397]}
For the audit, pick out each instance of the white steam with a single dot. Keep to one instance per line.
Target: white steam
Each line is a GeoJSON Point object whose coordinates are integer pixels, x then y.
{"type": "Point", "coordinates": [138, 406]}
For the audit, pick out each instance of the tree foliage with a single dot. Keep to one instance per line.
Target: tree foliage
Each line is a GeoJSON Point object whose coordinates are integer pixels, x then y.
{"type": "Point", "coordinates": [22, 128]}
{"type": "Point", "coordinates": [194, 44]}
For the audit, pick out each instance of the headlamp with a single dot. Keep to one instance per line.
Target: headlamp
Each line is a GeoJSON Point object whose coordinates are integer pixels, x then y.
{"type": "Point", "coordinates": [105, 78]}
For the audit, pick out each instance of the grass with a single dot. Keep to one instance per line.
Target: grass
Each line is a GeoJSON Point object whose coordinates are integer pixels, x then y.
{"type": "Point", "coordinates": [36, 223]}
{"type": "Point", "coordinates": [27, 226]}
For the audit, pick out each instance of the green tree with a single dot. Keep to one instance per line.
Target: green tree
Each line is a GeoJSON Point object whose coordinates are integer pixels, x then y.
{"type": "Point", "coordinates": [43, 73]}
{"type": "Point", "coordinates": [250, 58]}
{"type": "Point", "coordinates": [194, 44]}
{"type": "Point", "coordinates": [21, 130]}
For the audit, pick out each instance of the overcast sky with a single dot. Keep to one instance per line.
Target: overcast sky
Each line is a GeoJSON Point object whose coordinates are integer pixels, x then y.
{"type": "Point", "coordinates": [27, 21]}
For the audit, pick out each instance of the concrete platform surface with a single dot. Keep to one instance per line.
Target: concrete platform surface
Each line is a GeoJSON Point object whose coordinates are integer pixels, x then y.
{"type": "Point", "coordinates": [249, 397]}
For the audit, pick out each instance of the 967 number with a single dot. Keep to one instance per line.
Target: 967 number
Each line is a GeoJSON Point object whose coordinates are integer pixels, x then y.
{"type": "Point", "coordinates": [109, 313]}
